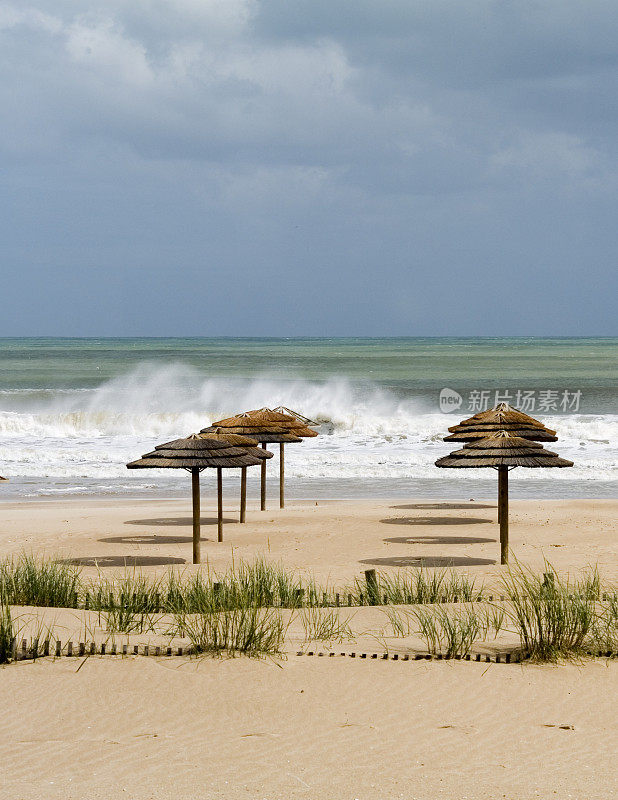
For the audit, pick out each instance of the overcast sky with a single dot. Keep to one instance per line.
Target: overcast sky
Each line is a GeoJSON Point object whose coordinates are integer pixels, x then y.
{"type": "Point", "coordinates": [308, 167]}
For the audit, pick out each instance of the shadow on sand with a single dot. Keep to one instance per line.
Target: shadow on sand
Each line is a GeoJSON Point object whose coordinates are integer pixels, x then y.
{"type": "Point", "coordinates": [438, 540]}
{"type": "Point", "coordinates": [152, 539]}
{"type": "Point", "coordinates": [122, 561]}
{"type": "Point", "coordinates": [443, 506]}
{"type": "Point", "coordinates": [434, 520]}
{"type": "Point", "coordinates": [177, 521]}
{"type": "Point", "coordinates": [427, 561]}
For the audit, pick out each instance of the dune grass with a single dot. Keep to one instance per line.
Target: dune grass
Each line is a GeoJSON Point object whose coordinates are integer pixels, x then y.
{"type": "Point", "coordinates": [416, 587]}
{"type": "Point", "coordinates": [324, 625]}
{"type": "Point", "coordinates": [558, 617]}
{"type": "Point", "coordinates": [446, 630]}
{"type": "Point", "coordinates": [605, 636]}
{"type": "Point", "coordinates": [250, 630]}
{"type": "Point", "coordinates": [24, 580]}
{"type": "Point", "coordinates": [7, 633]}
{"type": "Point", "coordinates": [449, 632]}
{"type": "Point", "coordinates": [27, 581]}
{"type": "Point", "coordinates": [240, 609]}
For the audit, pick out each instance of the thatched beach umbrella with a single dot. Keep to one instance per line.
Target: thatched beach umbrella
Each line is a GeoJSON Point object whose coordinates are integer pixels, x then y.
{"type": "Point", "coordinates": [268, 426]}
{"type": "Point", "coordinates": [503, 452]}
{"type": "Point", "coordinates": [265, 436]}
{"type": "Point", "coordinates": [309, 423]}
{"type": "Point", "coordinates": [248, 444]}
{"type": "Point", "coordinates": [501, 418]}
{"type": "Point", "coordinates": [195, 453]}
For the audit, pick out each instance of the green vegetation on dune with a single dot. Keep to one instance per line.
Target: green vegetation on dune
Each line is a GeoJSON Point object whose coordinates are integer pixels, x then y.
{"type": "Point", "coordinates": [242, 610]}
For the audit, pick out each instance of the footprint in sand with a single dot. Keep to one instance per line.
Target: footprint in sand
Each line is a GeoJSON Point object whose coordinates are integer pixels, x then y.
{"type": "Point", "coordinates": [560, 727]}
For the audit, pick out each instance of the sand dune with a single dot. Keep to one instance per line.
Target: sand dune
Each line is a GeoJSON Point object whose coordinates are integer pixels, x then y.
{"type": "Point", "coordinates": [142, 728]}
{"type": "Point", "coordinates": [300, 727]}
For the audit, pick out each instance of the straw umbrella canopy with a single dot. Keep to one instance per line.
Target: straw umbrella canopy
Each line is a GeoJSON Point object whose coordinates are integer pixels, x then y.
{"type": "Point", "coordinates": [248, 444]}
{"type": "Point", "coordinates": [195, 453]}
{"type": "Point", "coordinates": [268, 426]}
{"type": "Point", "coordinates": [310, 423]}
{"type": "Point", "coordinates": [501, 418]}
{"type": "Point", "coordinates": [502, 412]}
{"type": "Point", "coordinates": [469, 433]}
{"type": "Point", "coordinates": [503, 451]}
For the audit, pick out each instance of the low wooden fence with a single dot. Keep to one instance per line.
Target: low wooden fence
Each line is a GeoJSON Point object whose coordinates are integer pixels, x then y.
{"type": "Point", "coordinates": [55, 649]}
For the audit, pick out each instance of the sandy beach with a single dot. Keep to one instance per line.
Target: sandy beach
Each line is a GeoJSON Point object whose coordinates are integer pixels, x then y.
{"type": "Point", "coordinates": [353, 259]}
{"type": "Point", "coordinates": [332, 540]}
{"type": "Point", "coordinates": [309, 728]}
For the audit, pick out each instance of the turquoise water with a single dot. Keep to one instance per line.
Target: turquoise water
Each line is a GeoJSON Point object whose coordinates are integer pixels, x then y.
{"type": "Point", "coordinates": [73, 411]}
{"type": "Point", "coordinates": [405, 364]}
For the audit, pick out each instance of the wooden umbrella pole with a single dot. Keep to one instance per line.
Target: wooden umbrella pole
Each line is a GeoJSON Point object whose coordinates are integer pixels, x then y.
{"type": "Point", "coordinates": [243, 493]}
{"type": "Point", "coordinates": [263, 483]}
{"type": "Point", "coordinates": [503, 512]}
{"type": "Point", "coordinates": [195, 492]}
{"type": "Point", "coordinates": [219, 504]}
{"type": "Point", "coordinates": [281, 477]}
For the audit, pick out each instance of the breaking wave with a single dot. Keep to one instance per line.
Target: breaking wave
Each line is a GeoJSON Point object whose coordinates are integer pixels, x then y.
{"type": "Point", "coordinates": [368, 429]}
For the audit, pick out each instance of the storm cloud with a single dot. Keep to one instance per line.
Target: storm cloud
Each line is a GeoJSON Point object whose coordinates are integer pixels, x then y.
{"type": "Point", "coordinates": [254, 167]}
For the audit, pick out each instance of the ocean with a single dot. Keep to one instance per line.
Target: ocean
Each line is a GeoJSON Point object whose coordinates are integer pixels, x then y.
{"type": "Point", "coordinates": [74, 411]}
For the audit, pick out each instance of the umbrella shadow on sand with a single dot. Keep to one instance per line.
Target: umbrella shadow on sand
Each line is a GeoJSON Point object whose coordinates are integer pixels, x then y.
{"type": "Point", "coordinates": [434, 520]}
{"type": "Point", "coordinates": [438, 540]}
{"type": "Point", "coordinates": [427, 561]}
{"type": "Point", "coordinates": [122, 561]}
{"type": "Point", "coordinates": [152, 539]}
{"type": "Point", "coordinates": [442, 506]}
{"type": "Point", "coordinates": [173, 521]}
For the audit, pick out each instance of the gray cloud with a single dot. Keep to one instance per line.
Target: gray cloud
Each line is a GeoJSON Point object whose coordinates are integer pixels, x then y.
{"type": "Point", "coordinates": [370, 157]}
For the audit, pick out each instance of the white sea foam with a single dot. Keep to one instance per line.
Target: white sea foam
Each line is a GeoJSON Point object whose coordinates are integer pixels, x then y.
{"type": "Point", "coordinates": [368, 430]}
